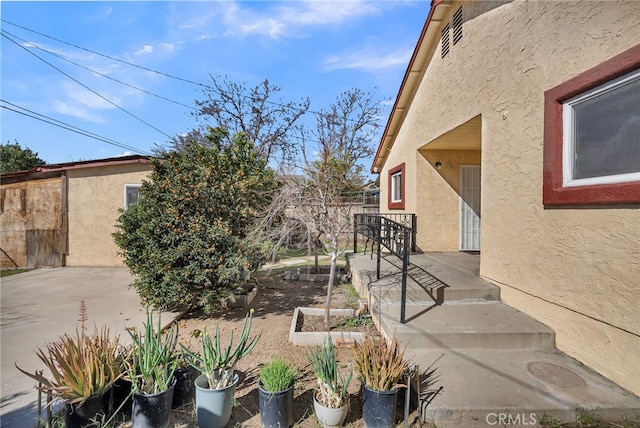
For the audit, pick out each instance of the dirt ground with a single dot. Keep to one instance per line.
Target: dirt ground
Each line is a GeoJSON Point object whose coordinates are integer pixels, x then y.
{"type": "Point", "coordinates": [274, 305]}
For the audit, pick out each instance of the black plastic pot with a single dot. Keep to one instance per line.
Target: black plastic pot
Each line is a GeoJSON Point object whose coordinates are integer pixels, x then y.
{"type": "Point", "coordinates": [379, 407]}
{"type": "Point", "coordinates": [184, 391]}
{"type": "Point", "coordinates": [121, 397]}
{"type": "Point", "coordinates": [152, 410]}
{"type": "Point", "coordinates": [276, 408]}
{"type": "Point", "coordinates": [79, 415]}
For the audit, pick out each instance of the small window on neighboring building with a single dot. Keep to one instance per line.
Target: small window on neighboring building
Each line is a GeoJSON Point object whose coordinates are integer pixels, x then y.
{"type": "Point", "coordinates": [131, 194]}
{"type": "Point", "coordinates": [457, 26]}
{"type": "Point", "coordinates": [592, 135]}
{"type": "Point", "coordinates": [396, 187]}
{"type": "Point", "coordinates": [445, 40]}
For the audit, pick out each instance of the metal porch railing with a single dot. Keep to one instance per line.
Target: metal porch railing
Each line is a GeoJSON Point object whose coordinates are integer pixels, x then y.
{"type": "Point", "coordinates": [395, 232]}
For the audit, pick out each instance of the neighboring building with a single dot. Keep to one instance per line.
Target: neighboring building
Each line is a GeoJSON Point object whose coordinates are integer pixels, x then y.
{"type": "Point", "coordinates": [64, 214]}
{"type": "Point", "coordinates": [516, 133]}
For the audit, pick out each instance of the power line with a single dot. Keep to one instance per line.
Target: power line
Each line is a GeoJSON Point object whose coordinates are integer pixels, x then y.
{"type": "Point", "coordinates": [99, 73]}
{"type": "Point", "coordinates": [171, 76]}
{"type": "Point", "coordinates": [107, 56]}
{"type": "Point", "coordinates": [46, 119]}
{"type": "Point", "coordinates": [83, 85]}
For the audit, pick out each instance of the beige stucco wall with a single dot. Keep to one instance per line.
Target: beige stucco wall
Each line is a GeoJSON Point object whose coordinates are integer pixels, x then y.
{"type": "Point", "coordinates": [95, 194]}
{"type": "Point", "coordinates": [576, 270]}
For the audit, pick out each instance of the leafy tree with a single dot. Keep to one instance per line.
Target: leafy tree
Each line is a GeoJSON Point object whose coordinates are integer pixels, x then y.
{"type": "Point", "coordinates": [190, 239]}
{"type": "Point", "coordinates": [15, 158]}
{"type": "Point", "coordinates": [268, 122]}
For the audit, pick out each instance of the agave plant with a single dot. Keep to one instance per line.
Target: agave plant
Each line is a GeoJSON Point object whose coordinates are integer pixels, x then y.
{"type": "Point", "coordinates": [218, 363]}
{"type": "Point", "coordinates": [81, 365]}
{"type": "Point", "coordinates": [380, 364]}
{"type": "Point", "coordinates": [332, 385]}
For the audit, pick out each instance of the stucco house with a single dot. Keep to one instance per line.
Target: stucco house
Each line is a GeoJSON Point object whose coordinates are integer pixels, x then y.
{"type": "Point", "coordinates": [64, 214]}
{"type": "Point", "coordinates": [516, 134]}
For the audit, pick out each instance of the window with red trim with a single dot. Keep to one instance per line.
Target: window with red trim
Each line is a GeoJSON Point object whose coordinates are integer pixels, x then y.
{"type": "Point", "coordinates": [396, 188]}
{"type": "Point", "coordinates": [592, 135]}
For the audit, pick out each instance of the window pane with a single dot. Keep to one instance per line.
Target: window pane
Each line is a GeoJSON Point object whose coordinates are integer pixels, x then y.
{"type": "Point", "coordinates": [607, 133]}
{"type": "Point", "coordinates": [133, 193]}
{"type": "Point", "coordinates": [396, 187]}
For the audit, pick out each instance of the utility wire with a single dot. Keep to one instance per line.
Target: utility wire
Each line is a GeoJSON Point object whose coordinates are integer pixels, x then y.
{"type": "Point", "coordinates": [83, 85]}
{"type": "Point", "coordinates": [38, 116]}
{"type": "Point", "coordinates": [99, 73]}
{"type": "Point", "coordinates": [171, 76]}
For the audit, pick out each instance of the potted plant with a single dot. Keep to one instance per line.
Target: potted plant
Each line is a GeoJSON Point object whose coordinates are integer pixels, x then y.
{"type": "Point", "coordinates": [83, 368]}
{"type": "Point", "coordinates": [330, 399]}
{"type": "Point", "coordinates": [151, 371]}
{"type": "Point", "coordinates": [380, 366]}
{"type": "Point", "coordinates": [215, 387]}
{"type": "Point", "coordinates": [185, 374]}
{"type": "Point", "coordinates": [275, 391]}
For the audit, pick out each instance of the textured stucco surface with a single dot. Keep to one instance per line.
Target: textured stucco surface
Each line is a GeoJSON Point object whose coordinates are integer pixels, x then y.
{"type": "Point", "coordinates": [577, 270]}
{"type": "Point", "coordinates": [95, 196]}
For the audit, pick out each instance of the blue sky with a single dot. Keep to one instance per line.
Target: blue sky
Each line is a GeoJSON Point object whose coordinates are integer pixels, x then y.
{"type": "Point", "coordinates": [314, 49]}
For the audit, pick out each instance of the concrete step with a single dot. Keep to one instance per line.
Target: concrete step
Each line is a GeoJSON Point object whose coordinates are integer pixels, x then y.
{"type": "Point", "coordinates": [482, 325]}
{"type": "Point", "coordinates": [427, 281]}
{"type": "Point", "coordinates": [480, 387]}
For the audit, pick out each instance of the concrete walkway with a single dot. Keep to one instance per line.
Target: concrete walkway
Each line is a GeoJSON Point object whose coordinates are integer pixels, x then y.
{"type": "Point", "coordinates": [495, 365]}
{"type": "Point", "coordinates": [40, 305]}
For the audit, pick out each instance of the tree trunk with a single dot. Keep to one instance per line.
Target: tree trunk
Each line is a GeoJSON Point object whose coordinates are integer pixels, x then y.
{"type": "Point", "coordinates": [332, 274]}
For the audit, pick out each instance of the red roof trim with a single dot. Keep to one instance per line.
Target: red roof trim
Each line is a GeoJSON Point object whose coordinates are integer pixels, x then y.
{"type": "Point", "coordinates": [92, 163]}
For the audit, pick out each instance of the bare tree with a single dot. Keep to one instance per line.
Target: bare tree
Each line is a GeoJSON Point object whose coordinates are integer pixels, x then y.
{"type": "Point", "coordinates": [270, 123]}
{"type": "Point", "coordinates": [317, 201]}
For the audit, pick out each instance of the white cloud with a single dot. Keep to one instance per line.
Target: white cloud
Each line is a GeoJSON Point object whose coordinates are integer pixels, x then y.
{"type": "Point", "coordinates": [145, 50]}
{"type": "Point", "coordinates": [275, 20]}
{"type": "Point", "coordinates": [368, 59]}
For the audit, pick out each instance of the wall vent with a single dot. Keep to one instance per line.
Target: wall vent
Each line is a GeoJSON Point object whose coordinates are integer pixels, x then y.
{"type": "Point", "coordinates": [457, 26]}
{"type": "Point", "coordinates": [445, 40]}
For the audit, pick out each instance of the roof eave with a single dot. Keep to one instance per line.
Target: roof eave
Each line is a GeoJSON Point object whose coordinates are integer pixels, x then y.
{"type": "Point", "coordinates": [417, 65]}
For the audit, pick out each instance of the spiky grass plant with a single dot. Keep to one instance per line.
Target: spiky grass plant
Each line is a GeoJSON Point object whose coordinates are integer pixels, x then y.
{"type": "Point", "coordinates": [218, 363]}
{"type": "Point", "coordinates": [81, 365]}
{"type": "Point", "coordinates": [332, 385]}
{"type": "Point", "coordinates": [277, 375]}
{"type": "Point", "coordinates": [380, 364]}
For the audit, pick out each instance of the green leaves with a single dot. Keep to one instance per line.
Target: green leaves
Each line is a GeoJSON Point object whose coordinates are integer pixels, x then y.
{"type": "Point", "coordinates": [277, 375]}
{"type": "Point", "coordinates": [332, 385]}
{"type": "Point", "coordinates": [153, 363]}
{"type": "Point", "coordinates": [189, 240]}
{"type": "Point", "coordinates": [217, 362]}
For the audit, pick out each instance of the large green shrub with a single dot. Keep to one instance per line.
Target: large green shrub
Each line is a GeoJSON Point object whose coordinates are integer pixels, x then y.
{"type": "Point", "coordinates": [189, 239]}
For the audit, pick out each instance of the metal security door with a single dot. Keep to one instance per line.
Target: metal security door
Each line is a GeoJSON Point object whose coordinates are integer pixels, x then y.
{"type": "Point", "coordinates": [470, 207]}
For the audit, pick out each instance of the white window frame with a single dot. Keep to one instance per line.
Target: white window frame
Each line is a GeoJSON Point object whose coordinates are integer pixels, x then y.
{"type": "Point", "coordinates": [396, 187]}
{"type": "Point", "coordinates": [127, 187]}
{"type": "Point", "coordinates": [568, 148]}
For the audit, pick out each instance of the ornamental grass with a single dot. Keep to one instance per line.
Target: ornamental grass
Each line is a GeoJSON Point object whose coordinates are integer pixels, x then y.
{"type": "Point", "coordinates": [380, 364]}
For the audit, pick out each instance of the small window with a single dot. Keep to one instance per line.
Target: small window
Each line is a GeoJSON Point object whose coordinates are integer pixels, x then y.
{"type": "Point", "coordinates": [131, 194]}
{"type": "Point", "coordinates": [396, 187]}
{"type": "Point", "coordinates": [457, 26]}
{"type": "Point", "coordinates": [592, 135]}
{"type": "Point", "coordinates": [445, 40]}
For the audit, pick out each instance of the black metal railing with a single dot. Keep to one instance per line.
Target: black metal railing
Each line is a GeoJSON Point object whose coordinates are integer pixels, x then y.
{"type": "Point", "coordinates": [396, 233]}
